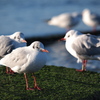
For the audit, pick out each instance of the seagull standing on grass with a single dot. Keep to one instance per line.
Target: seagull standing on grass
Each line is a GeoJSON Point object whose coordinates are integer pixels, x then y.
{"type": "Point", "coordinates": [91, 19]}
{"type": "Point", "coordinates": [82, 46]}
{"type": "Point", "coordinates": [27, 59]}
{"type": "Point", "coordinates": [10, 42]}
{"type": "Point", "coordinates": [65, 20]}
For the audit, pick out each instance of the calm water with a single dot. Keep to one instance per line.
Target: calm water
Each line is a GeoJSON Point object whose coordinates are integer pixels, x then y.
{"type": "Point", "coordinates": [28, 17]}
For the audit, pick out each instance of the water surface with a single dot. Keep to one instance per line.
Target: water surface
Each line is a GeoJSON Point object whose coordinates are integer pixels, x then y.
{"type": "Point", "coordinates": [28, 15]}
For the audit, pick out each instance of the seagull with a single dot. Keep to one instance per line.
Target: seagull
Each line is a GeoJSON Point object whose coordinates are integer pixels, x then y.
{"type": "Point", "coordinates": [18, 39]}
{"type": "Point", "coordinates": [9, 43]}
{"type": "Point", "coordinates": [65, 20]}
{"type": "Point", "coordinates": [90, 18]}
{"type": "Point", "coordinates": [82, 46]}
{"type": "Point", "coordinates": [27, 59]}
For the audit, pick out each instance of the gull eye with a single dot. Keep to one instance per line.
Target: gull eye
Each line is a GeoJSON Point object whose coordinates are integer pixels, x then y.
{"type": "Point", "coordinates": [14, 37]}
{"type": "Point", "coordinates": [37, 47]}
{"type": "Point", "coordinates": [33, 47]}
{"type": "Point", "coordinates": [17, 38]}
{"type": "Point", "coordinates": [68, 36]}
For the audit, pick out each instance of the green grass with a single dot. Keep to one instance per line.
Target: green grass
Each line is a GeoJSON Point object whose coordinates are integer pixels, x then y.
{"type": "Point", "coordinates": [57, 83]}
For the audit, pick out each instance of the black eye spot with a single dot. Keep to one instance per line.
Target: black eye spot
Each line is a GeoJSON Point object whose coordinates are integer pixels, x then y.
{"type": "Point", "coordinates": [18, 38]}
{"type": "Point", "coordinates": [14, 37]}
{"type": "Point", "coordinates": [33, 47]}
{"type": "Point", "coordinates": [68, 35]}
{"type": "Point", "coordinates": [37, 47]}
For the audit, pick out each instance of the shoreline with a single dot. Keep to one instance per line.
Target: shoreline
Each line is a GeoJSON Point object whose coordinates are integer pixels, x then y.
{"type": "Point", "coordinates": [50, 39]}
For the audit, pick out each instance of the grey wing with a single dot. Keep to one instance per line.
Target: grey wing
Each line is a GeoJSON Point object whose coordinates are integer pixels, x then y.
{"type": "Point", "coordinates": [16, 58]}
{"type": "Point", "coordinates": [6, 46]}
{"type": "Point", "coordinates": [86, 45]}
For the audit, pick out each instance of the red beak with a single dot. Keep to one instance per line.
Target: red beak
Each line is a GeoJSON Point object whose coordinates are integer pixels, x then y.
{"type": "Point", "coordinates": [24, 41]}
{"type": "Point", "coordinates": [44, 50]}
{"type": "Point", "coordinates": [62, 39]}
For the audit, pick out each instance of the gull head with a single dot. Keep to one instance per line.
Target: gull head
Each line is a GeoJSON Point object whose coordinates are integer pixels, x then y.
{"type": "Point", "coordinates": [85, 11]}
{"type": "Point", "coordinates": [38, 46]}
{"type": "Point", "coordinates": [18, 36]}
{"type": "Point", "coordinates": [71, 34]}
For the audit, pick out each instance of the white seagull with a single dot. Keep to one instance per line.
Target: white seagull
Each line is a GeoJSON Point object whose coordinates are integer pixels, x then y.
{"type": "Point", "coordinates": [27, 59]}
{"type": "Point", "coordinates": [90, 18]}
{"type": "Point", "coordinates": [65, 20]}
{"type": "Point", "coordinates": [8, 43]}
{"type": "Point", "coordinates": [82, 46]}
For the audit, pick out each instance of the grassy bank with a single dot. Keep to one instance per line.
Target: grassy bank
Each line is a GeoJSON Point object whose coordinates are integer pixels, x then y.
{"type": "Point", "coordinates": [57, 83]}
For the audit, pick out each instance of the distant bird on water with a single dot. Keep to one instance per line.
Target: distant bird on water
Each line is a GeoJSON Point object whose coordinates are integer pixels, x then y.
{"type": "Point", "coordinates": [82, 46]}
{"type": "Point", "coordinates": [90, 18]}
{"type": "Point", "coordinates": [10, 42]}
{"type": "Point", "coordinates": [27, 59]}
{"type": "Point", "coordinates": [65, 20]}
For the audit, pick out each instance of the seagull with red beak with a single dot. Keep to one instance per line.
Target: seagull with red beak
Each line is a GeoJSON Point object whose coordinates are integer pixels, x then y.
{"type": "Point", "coordinates": [27, 59]}
{"type": "Point", "coordinates": [82, 46]}
{"type": "Point", "coordinates": [9, 43]}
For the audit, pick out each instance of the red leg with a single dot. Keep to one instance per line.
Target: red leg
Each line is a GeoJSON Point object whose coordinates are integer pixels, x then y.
{"type": "Point", "coordinates": [26, 80]}
{"type": "Point", "coordinates": [84, 62]}
{"type": "Point", "coordinates": [94, 29]}
{"type": "Point", "coordinates": [35, 83]}
{"type": "Point", "coordinates": [9, 71]}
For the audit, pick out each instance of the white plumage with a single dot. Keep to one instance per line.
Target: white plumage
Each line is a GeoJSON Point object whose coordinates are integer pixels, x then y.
{"type": "Point", "coordinates": [27, 59]}
{"type": "Point", "coordinates": [65, 20]}
{"type": "Point", "coordinates": [82, 46]}
{"type": "Point", "coordinates": [90, 18]}
{"type": "Point", "coordinates": [9, 43]}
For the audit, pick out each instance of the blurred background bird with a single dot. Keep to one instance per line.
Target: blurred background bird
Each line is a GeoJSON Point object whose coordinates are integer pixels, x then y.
{"type": "Point", "coordinates": [65, 20]}
{"type": "Point", "coordinates": [91, 19]}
